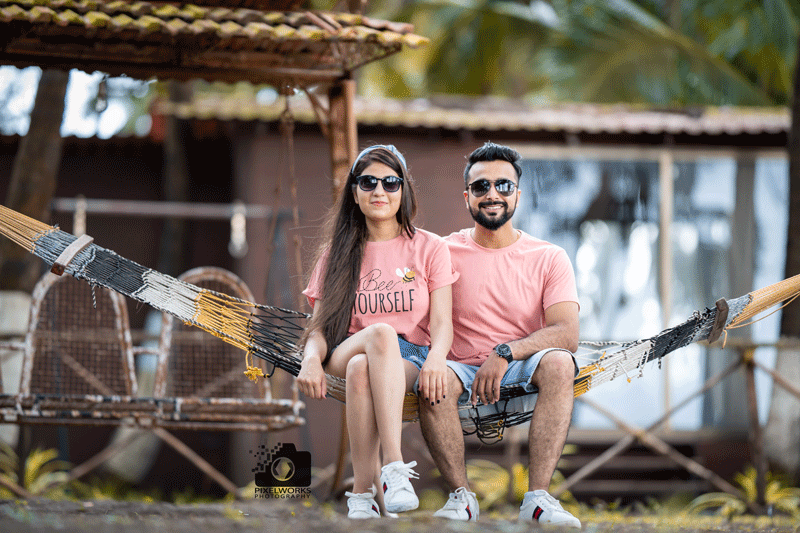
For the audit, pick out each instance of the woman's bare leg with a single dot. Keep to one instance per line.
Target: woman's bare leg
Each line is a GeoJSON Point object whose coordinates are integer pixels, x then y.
{"type": "Point", "coordinates": [361, 426]}
{"type": "Point", "coordinates": [379, 346]}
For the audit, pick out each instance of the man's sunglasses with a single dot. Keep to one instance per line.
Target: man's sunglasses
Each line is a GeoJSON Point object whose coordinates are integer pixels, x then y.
{"type": "Point", "coordinates": [368, 183]}
{"type": "Point", "coordinates": [479, 188]}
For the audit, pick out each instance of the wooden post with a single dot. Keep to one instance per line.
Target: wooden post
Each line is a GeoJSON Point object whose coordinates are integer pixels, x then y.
{"type": "Point", "coordinates": [666, 178]}
{"type": "Point", "coordinates": [344, 143]}
{"type": "Point", "coordinates": [343, 132]}
{"type": "Point", "coordinates": [756, 433]}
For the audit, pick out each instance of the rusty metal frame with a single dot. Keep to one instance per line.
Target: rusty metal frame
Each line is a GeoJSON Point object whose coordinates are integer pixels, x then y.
{"type": "Point", "coordinates": [159, 414]}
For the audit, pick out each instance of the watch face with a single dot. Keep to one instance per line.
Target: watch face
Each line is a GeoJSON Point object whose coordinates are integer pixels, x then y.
{"type": "Point", "coordinates": [504, 351]}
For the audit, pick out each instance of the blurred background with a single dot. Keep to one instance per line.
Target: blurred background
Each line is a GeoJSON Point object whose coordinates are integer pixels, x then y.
{"type": "Point", "coordinates": [659, 140]}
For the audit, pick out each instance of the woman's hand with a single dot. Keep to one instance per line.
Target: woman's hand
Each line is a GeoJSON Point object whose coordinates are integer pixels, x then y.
{"type": "Point", "coordinates": [433, 379]}
{"type": "Point", "coordinates": [311, 380]}
{"type": "Point", "coordinates": [433, 374]}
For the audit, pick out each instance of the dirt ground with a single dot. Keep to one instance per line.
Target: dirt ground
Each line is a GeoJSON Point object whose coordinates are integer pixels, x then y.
{"type": "Point", "coordinates": [296, 516]}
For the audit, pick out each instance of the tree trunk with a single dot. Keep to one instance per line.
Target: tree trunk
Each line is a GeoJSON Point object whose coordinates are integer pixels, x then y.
{"type": "Point", "coordinates": [33, 178]}
{"type": "Point", "coordinates": [782, 435]}
{"type": "Point", "coordinates": [172, 258]}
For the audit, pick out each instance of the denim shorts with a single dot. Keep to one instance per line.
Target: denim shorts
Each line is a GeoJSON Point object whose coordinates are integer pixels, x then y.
{"type": "Point", "coordinates": [519, 374]}
{"type": "Point", "coordinates": [416, 355]}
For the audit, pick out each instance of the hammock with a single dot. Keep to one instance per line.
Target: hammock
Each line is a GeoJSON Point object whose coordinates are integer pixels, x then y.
{"type": "Point", "coordinates": [271, 333]}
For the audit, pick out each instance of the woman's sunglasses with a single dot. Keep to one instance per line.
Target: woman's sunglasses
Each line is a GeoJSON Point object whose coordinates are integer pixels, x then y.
{"type": "Point", "coordinates": [390, 183]}
{"type": "Point", "coordinates": [479, 188]}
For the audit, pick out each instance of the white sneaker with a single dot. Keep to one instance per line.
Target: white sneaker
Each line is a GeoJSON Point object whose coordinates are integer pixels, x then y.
{"type": "Point", "coordinates": [398, 494]}
{"type": "Point", "coordinates": [462, 505]}
{"type": "Point", "coordinates": [543, 508]}
{"type": "Point", "coordinates": [362, 505]}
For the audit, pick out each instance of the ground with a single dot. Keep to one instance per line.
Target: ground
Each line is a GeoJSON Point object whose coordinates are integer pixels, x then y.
{"type": "Point", "coordinates": [295, 516]}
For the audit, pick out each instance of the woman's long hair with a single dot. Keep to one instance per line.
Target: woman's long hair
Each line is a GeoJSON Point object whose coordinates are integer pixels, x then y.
{"type": "Point", "coordinates": [344, 248]}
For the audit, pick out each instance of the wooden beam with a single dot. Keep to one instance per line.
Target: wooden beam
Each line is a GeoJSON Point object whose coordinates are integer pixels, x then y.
{"type": "Point", "coordinates": [659, 446]}
{"type": "Point", "coordinates": [343, 132]}
{"type": "Point", "coordinates": [142, 70]}
{"type": "Point", "coordinates": [198, 461]}
{"type": "Point", "coordinates": [624, 443]}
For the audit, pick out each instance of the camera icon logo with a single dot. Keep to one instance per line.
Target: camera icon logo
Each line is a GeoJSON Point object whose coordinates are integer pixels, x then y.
{"type": "Point", "coordinates": [283, 466]}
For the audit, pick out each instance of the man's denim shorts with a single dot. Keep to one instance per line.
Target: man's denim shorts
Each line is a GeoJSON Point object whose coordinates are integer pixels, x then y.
{"type": "Point", "coordinates": [519, 374]}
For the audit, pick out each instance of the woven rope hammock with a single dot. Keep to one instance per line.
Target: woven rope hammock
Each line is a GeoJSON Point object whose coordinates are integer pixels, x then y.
{"type": "Point", "coordinates": [271, 333]}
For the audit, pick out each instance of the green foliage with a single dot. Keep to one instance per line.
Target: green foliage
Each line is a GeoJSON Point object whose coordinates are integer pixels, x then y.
{"type": "Point", "coordinates": [778, 495]}
{"type": "Point", "coordinates": [111, 487]}
{"type": "Point", "coordinates": [42, 473]}
{"type": "Point", "coordinates": [9, 464]}
{"type": "Point", "coordinates": [713, 52]}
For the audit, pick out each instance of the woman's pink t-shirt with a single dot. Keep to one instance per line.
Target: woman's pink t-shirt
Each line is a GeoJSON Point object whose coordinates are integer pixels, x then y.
{"type": "Point", "coordinates": [502, 293]}
{"type": "Point", "coordinates": [397, 277]}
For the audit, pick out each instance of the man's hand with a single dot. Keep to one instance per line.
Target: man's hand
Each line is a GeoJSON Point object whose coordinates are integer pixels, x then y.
{"type": "Point", "coordinates": [486, 386]}
{"type": "Point", "coordinates": [433, 380]}
{"type": "Point", "coordinates": [311, 379]}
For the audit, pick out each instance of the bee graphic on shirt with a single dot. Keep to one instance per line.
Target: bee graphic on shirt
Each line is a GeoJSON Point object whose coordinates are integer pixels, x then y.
{"type": "Point", "coordinates": [407, 274]}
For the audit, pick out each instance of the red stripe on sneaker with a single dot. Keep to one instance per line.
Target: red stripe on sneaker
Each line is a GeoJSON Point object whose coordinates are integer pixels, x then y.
{"type": "Point", "coordinates": [384, 488]}
{"type": "Point", "coordinates": [469, 513]}
{"type": "Point", "coordinates": [376, 510]}
{"type": "Point", "coordinates": [537, 513]}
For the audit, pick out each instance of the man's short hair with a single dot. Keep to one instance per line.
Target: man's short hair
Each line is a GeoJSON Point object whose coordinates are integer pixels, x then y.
{"type": "Point", "coordinates": [493, 152]}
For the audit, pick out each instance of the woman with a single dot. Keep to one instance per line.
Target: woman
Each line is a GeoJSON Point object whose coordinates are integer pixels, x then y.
{"type": "Point", "coordinates": [381, 293]}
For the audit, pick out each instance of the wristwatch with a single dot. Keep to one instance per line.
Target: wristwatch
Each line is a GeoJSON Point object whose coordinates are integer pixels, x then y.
{"type": "Point", "coordinates": [504, 351]}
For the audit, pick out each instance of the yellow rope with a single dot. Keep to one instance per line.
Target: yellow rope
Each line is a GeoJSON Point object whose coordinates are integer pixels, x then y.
{"type": "Point", "coordinates": [225, 315]}
{"type": "Point", "coordinates": [228, 319]}
{"type": "Point", "coordinates": [252, 372]}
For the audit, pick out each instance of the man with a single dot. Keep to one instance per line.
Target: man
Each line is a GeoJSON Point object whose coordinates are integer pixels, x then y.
{"type": "Point", "coordinates": [515, 322]}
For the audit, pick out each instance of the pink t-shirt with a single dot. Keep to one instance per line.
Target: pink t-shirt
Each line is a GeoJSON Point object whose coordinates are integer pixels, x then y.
{"type": "Point", "coordinates": [502, 293]}
{"type": "Point", "coordinates": [397, 277]}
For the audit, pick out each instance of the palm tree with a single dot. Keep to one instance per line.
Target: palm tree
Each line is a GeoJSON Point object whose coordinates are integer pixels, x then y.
{"type": "Point", "coordinates": [694, 52]}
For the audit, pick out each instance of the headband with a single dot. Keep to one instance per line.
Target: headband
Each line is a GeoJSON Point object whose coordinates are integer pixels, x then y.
{"type": "Point", "coordinates": [387, 147]}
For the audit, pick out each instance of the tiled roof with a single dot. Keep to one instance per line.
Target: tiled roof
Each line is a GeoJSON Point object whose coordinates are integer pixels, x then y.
{"type": "Point", "coordinates": [173, 39]}
{"type": "Point", "coordinates": [506, 115]}
{"type": "Point", "coordinates": [268, 5]}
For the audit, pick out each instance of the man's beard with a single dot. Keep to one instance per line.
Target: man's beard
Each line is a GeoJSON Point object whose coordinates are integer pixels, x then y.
{"type": "Point", "coordinates": [495, 222]}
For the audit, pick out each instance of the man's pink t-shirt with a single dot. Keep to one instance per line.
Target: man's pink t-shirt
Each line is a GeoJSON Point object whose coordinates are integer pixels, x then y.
{"type": "Point", "coordinates": [397, 277]}
{"type": "Point", "coordinates": [501, 294]}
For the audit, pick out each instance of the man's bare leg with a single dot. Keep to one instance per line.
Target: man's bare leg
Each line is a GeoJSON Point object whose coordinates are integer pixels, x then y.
{"type": "Point", "coordinates": [551, 416]}
{"type": "Point", "coordinates": [441, 429]}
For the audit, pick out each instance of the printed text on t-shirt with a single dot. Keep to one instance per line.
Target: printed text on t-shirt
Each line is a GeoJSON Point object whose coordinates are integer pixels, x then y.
{"type": "Point", "coordinates": [376, 295]}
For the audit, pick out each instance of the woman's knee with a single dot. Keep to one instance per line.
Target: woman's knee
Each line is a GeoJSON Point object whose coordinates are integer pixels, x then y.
{"type": "Point", "coordinates": [358, 372]}
{"type": "Point", "coordinates": [382, 340]}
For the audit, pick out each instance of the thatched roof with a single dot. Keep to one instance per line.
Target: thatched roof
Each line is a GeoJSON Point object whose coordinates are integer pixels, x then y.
{"type": "Point", "coordinates": [183, 41]}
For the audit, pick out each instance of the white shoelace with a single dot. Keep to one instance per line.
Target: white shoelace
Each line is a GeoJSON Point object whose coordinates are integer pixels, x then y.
{"type": "Point", "coordinates": [361, 501]}
{"type": "Point", "coordinates": [460, 495]}
{"type": "Point", "coordinates": [401, 472]}
{"type": "Point", "coordinates": [548, 501]}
